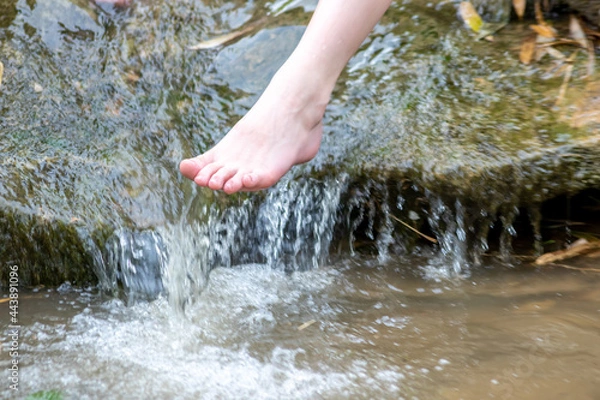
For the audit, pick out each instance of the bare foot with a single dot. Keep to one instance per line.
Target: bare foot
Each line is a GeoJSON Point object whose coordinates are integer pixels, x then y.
{"type": "Point", "coordinates": [281, 130]}
{"type": "Point", "coordinates": [284, 126]}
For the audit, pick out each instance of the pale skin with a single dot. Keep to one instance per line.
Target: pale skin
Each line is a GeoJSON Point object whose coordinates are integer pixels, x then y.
{"type": "Point", "coordinates": [284, 127]}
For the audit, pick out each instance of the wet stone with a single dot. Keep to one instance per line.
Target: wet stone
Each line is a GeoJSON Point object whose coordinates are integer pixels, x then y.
{"type": "Point", "coordinates": [426, 124]}
{"type": "Point", "coordinates": [249, 64]}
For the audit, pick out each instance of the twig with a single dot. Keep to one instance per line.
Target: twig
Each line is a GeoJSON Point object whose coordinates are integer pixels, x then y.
{"type": "Point", "coordinates": [578, 248]}
{"type": "Point", "coordinates": [565, 84]}
{"type": "Point", "coordinates": [591, 59]}
{"type": "Point", "coordinates": [306, 324]}
{"type": "Point", "coordinates": [574, 268]}
{"type": "Point", "coordinates": [432, 240]}
{"type": "Point", "coordinates": [228, 37]}
{"type": "Point", "coordinates": [559, 42]}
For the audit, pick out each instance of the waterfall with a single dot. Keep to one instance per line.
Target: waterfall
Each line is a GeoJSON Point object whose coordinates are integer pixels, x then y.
{"type": "Point", "coordinates": [293, 226]}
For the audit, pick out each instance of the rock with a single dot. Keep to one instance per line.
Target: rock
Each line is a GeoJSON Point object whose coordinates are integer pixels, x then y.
{"type": "Point", "coordinates": [250, 64]}
{"type": "Point", "coordinates": [426, 124]}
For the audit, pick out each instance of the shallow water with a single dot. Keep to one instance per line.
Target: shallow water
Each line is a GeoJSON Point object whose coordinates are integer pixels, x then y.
{"type": "Point", "coordinates": [356, 329]}
{"type": "Point", "coordinates": [118, 95]}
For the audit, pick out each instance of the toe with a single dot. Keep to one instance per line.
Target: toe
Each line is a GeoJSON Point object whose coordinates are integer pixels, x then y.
{"type": "Point", "coordinates": [257, 181]}
{"type": "Point", "coordinates": [233, 184]}
{"type": "Point", "coordinates": [250, 181]}
{"type": "Point", "coordinates": [220, 177]}
{"type": "Point", "coordinates": [191, 166]}
{"type": "Point", "coordinates": [204, 175]}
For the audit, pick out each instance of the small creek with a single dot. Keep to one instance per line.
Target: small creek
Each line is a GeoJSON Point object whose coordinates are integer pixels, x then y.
{"type": "Point", "coordinates": [312, 289]}
{"type": "Point", "coordinates": [392, 331]}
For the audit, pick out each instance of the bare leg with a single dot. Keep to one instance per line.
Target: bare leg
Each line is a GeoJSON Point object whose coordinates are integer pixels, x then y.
{"type": "Point", "coordinates": [284, 127]}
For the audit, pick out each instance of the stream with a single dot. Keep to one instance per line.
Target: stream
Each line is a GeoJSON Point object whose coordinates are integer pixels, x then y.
{"type": "Point", "coordinates": [353, 329]}
{"type": "Point", "coordinates": [135, 284]}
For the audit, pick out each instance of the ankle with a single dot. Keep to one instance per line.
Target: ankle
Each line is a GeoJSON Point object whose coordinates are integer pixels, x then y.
{"type": "Point", "coordinates": [297, 91]}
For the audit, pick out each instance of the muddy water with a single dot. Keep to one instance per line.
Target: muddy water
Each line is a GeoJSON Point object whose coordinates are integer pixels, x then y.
{"type": "Point", "coordinates": [121, 87]}
{"type": "Point", "coordinates": [351, 330]}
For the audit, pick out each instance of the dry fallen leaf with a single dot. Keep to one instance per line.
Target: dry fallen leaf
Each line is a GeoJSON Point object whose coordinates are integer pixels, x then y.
{"type": "Point", "coordinates": [470, 16]}
{"type": "Point", "coordinates": [132, 77]}
{"type": "Point", "coordinates": [576, 32]}
{"type": "Point", "coordinates": [544, 30]}
{"type": "Point", "coordinates": [527, 50]}
{"type": "Point", "coordinates": [539, 17]}
{"type": "Point", "coordinates": [224, 39]}
{"type": "Point", "coordinates": [555, 53]}
{"type": "Point", "coordinates": [218, 41]}
{"type": "Point", "coordinates": [519, 6]}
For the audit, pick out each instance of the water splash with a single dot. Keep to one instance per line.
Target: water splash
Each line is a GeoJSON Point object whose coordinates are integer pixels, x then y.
{"type": "Point", "coordinates": [136, 260]}
{"type": "Point", "coordinates": [448, 223]}
{"type": "Point", "coordinates": [508, 232]}
{"type": "Point", "coordinates": [290, 229]}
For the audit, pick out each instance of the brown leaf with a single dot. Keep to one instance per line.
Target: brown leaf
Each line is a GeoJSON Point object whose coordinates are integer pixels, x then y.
{"type": "Point", "coordinates": [519, 6]}
{"type": "Point", "coordinates": [470, 16]}
{"type": "Point", "coordinates": [555, 53]}
{"type": "Point", "coordinates": [576, 32]}
{"type": "Point", "coordinates": [539, 17]}
{"type": "Point", "coordinates": [132, 77]}
{"type": "Point", "coordinates": [228, 37]}
{"type": "Point", "coordinates": [219, 40]}
{"type": "Point", "coordinates": [527, 50]}
{"type": "Point", "coordinates": [544, 30]}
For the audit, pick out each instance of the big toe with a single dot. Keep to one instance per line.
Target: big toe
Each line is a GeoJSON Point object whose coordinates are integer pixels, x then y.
{"type": "Point", "coordinates": [190, 167]}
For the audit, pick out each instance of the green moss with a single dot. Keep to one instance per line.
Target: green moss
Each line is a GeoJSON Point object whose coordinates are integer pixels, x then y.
{"type": "Point", "coordinates": [45, 395]}
{"type": "Point", "coordinates": [47, 252]}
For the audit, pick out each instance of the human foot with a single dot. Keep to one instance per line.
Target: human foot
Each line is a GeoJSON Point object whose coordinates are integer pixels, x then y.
{"type": "Point", "coordinates": [284, 127]}
{"type": "Point", "coordinates": [280, 131]}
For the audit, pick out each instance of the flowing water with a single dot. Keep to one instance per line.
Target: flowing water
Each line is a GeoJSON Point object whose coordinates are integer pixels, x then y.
{"type": "Point", "coordinates": [310, 290]}
{"type": "Point", "coordinates": [354, 329]}
{"type": "Point", "coordinates": [306, 324]}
